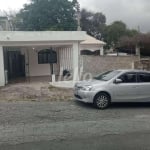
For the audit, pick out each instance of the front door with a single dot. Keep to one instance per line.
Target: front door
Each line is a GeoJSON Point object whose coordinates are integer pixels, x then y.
{"type": "Point", "coordinates": [127, 89]}
{"type": "Point", "coordinates": [16, 64]}
{"type": "Point", "coordinates": [144, 86]}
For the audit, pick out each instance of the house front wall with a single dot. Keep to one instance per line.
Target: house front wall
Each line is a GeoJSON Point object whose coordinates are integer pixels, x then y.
{"type": "Point", "coordinates": [32, 67]}
{"type": "Point", "coordinates": [64, 61]}
{"type": "Point", "coordinates": [66, 42]}
{"type": "Point", "coordinates": [67, 59]}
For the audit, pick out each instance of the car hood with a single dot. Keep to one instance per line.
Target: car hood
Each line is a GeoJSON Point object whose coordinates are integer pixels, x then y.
{"type": "Point", "coordinates": [89, 82]}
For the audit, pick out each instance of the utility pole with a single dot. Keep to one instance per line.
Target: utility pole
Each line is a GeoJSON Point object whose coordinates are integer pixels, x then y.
{"type": "Point", "coordinates": [78, 14]}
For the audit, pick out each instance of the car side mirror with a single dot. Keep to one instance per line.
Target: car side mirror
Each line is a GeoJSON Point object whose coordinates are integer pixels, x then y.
{"type": "Point", "coordinates": [117, 81]}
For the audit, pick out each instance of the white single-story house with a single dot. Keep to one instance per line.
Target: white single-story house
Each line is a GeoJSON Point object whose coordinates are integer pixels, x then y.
{"type": "Point", "coordinates": [19, 52]}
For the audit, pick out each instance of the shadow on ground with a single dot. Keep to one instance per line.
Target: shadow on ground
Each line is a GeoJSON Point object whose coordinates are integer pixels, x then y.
{"type": "Point", "coordinates": [117, 105]}
{"type": "Point", "coordinates": [134, 105]}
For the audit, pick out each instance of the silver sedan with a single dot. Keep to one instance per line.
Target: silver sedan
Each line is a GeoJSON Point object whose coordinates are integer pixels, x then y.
{"type": "Point", "coordinates": [114, 86]}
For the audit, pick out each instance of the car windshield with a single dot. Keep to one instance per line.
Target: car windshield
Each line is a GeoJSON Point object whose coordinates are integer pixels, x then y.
{"type": "Point", "coordinates": [107, 75]}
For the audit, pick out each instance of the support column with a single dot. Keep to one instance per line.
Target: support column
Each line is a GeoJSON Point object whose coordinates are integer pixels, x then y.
{"type": "Point", "coordinates": [2, 74]}
{"type": "Point", "coordinates": [76, 61]}
{"type": "Point", "coordinates": [138, 51]}
{"type": "Point", "coordinates": [101, 51]}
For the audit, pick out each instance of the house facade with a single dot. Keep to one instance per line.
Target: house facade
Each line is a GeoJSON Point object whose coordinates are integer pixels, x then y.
{"type": "Point", "coordinates": [19, 53]}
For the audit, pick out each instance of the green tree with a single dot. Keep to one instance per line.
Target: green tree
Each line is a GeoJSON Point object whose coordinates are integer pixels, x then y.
{"type": "Point", "coordinates": [47, 15]}
{"type": "Point", "coordinates": [93, 23]}
{"type": "Point", "coordinates": [115, 31]}
{"type": "Point", "coordinates": [132, 32]}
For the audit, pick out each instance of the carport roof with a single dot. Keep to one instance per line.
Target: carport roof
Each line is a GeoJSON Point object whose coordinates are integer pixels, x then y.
{"type": "Point", "coordinates": [41, 36]}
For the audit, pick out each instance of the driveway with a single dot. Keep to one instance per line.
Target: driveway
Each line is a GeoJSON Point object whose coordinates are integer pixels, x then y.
{"type": "Point", "coordinates": [34, 91]}
{"type": "Point", "coordinates": [73, 125]}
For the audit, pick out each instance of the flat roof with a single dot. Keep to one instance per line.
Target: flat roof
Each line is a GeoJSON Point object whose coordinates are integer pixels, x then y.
{"type": "Point", "coordinates": [41, 36]}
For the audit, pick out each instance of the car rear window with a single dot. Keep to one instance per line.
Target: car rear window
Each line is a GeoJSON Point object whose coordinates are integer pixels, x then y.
{"type": "Point", "coordinates": [144, 77]}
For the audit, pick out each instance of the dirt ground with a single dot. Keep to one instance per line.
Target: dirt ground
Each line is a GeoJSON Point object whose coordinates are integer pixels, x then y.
{"type": "Point", "coordinates": [34, 92]}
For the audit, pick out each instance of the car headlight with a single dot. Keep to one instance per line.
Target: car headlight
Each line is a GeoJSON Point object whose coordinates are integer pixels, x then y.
{"type": "Point", "coordinates": [87, 88]}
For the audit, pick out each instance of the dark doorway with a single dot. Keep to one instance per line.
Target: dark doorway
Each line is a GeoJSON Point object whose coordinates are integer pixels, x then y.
{"type": "Point", "coordinates": [14, 64]}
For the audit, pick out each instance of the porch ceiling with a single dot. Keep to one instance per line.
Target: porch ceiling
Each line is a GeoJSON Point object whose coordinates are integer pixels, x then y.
{"type": "Point", "coordinates": [36, 43]}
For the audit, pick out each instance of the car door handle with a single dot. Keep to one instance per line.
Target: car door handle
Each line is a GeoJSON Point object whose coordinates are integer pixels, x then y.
{"type": "Point", "coordinates": [135, 87]}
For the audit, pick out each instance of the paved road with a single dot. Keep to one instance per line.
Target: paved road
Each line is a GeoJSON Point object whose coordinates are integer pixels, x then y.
{"type": "Point", "coordinates": [73, 125]}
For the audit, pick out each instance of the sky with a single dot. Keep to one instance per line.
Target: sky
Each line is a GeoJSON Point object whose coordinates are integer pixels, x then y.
{"type": "Point", "coordinates": [135, 13]}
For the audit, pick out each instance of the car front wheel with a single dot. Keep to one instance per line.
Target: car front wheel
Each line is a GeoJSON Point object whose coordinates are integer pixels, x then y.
{"type": "Point", "coordinates": [102, 100]}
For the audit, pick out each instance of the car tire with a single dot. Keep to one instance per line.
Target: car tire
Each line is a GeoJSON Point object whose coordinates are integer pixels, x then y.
{"type": "Point", "coordinates": [102, 100]}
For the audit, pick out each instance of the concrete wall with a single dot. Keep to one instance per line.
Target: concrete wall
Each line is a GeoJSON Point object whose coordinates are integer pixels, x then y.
{"type": "Point", "coordinates": [98, 64]}
{"type": "Point", "coordinates": [143, 64]}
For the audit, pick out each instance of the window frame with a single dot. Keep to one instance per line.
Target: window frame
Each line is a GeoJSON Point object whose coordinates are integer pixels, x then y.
{"type": "Point", "coordinates": [138, 77]}
{"type": "Point", "coordinates": [129, 73]}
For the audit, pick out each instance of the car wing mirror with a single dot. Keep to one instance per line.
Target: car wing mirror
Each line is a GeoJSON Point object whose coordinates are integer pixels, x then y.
{"type": "Point", "coordinates": [117, 81]}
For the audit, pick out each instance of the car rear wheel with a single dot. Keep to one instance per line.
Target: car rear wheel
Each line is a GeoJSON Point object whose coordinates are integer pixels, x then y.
{"type": "Point", "coordinates": [102, 101]}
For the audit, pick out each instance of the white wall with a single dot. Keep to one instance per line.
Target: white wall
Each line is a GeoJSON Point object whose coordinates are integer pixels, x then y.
{"type": "Point", "coordinates": [33, 68]}
{"type": "Point", "coordinates": [64, 61]}
{"type": "Point", "coordinates": [2, 76]}
{"type": "Point", "coordinates": [36, 69]}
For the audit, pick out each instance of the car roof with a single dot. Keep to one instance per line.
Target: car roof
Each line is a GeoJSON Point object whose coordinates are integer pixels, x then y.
{"type": "Point", "coordinates": [133, 70]}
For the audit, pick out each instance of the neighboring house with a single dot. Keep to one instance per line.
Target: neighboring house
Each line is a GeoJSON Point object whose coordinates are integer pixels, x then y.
{"type": "Point", "coordinates": [91, 45]}
{"type": "Point", "coordinates": [19, 52]}
{"type": "Point", "coordinates": [4, 24]}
